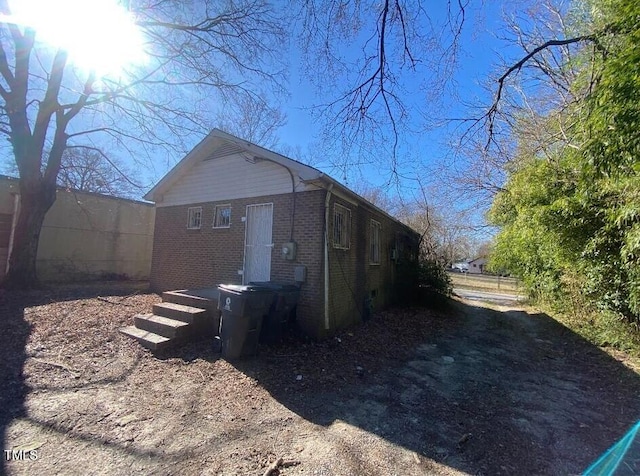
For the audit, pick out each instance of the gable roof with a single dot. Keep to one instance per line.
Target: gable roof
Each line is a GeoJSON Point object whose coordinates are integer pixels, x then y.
{"type": "Point", "coordinates": [479, 258]}
{"type": "Point", "coordinates": [221, 144]}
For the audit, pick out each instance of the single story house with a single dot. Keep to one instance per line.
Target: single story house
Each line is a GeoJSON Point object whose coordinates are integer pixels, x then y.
{"type": "Point", "coordinates": [233, 212]}
{"type": "Point", "coordinates": [477, 266]}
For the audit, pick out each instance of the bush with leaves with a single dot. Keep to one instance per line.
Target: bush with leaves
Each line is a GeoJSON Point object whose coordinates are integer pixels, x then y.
{"type": "Point", "coordinates": [432, 274]}
{"type": "Point", "coordinates": [572, 214]}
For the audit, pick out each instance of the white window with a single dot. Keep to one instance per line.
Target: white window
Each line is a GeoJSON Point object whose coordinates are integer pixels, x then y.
{"type": "Point", "coordinates": [374, 243]}
{"type": "Point", "coordinates": [194, 220]}
{"type": "Point", "coordinates": [222, 216]}
{"type": "Point", "coordinates": [341, 227]}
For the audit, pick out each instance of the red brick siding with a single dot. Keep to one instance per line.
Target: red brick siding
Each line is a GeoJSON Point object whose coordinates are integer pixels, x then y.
{"type": "Point", "coordinates": [344, 293]}
{"type": "Point", "coordinates": [206, 257]}
{"type": "Point", "coordinates": [353, 277]}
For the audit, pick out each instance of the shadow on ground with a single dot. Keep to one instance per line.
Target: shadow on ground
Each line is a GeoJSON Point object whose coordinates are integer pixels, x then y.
{"type": "Point", "coordinates": [14, 335]}
{"type": "Point", "coordinates": [479, 390]}
{"type": "Point", "coordinates": [13, 339]}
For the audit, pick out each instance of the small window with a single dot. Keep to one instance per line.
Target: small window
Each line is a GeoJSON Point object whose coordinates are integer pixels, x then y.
{"type": "Point", "coordinates": [194, 220]}
{"type": "Point", "coordinates": [222, 216]}
{"type": "Point", "coordinates": [341, 227]}
{"type": "Point", "coordinates": [374, 244]}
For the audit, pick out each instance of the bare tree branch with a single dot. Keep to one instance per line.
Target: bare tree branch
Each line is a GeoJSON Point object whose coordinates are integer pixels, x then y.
{"type": "Point", "coordinates": [5, 70]}
{"type": "Point", "coordinates": [490, 115]}
{"type": "Point", "coordinates": [49, 105]}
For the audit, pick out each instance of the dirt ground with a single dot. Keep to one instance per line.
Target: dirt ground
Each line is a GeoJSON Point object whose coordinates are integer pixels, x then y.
{"type": "Point", "coordinates": [463, 388]}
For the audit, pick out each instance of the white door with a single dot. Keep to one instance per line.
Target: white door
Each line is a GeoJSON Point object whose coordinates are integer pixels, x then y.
{"type": "Point", "coordinates": [257, 243]}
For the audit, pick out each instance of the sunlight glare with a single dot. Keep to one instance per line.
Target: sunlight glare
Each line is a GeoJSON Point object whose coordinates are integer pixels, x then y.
{"type": "Point", "coordinates": [99, 35]}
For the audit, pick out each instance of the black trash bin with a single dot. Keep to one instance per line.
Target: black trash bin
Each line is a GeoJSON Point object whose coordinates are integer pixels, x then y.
{"type": "Point", "coordinates": [243, 308]}
{"type": "Point", "coordinates": [281, 311]}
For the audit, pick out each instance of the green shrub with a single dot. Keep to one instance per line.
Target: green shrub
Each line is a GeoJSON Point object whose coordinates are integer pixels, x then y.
{"type": "Point", "coordinates": [432, 274]}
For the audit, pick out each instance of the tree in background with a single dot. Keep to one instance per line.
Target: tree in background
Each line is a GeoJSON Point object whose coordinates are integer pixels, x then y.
{"type": "Point", "coordinates": [59, 90]}
{"type": "Point", "coordinates": [569, 218]}
{"type": "Point", "coordinates": [90, 170]}
{"type": "Point", "coordinates": [252, 118]}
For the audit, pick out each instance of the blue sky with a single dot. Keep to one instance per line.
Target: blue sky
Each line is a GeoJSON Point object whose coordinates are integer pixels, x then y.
{"type": "Point", "coordinates": [422, 148]}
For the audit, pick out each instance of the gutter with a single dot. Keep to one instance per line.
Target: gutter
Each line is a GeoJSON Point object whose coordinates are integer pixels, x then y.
{"type": "Point", "coordinates": [325, 180]}
{"type": "Point", "coordinates": [257, 158]}
{"type": "Point", "coordinates": [326, 257]}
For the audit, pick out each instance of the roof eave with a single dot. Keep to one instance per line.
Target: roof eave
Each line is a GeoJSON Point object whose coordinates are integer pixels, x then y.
{"type": "Point", "coordinates": [200, 151]}
{"type": "Point", "coordinates": [328, 180]}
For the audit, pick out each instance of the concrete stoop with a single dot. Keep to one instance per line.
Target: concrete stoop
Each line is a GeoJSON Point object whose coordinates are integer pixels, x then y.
{"type": "Point", "coordinates": [182, 316]}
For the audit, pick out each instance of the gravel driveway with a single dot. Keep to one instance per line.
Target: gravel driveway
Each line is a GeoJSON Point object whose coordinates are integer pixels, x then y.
{"type": "Point", "coordinates": [461, 389]}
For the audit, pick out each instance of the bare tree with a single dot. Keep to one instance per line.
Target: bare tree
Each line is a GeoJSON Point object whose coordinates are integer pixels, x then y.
{"type": "Point", "coordinates": [447, 235]}
{"type": "Point", "coordinates": [252, 118]}
{"type": "Point", "coordinates": [376, 57]}
{"type": "Point", "coordinates": [91, 170]}
{"type": "Point", "coordinates": [197, 51]}
{"type": "Point", "coordinates": [380, 197]}
{"type": "Point", "coordinates": [534, 99]}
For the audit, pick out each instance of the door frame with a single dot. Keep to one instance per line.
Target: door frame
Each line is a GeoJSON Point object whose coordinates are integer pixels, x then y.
{"type": "Point", "coordinates": [244, 246]}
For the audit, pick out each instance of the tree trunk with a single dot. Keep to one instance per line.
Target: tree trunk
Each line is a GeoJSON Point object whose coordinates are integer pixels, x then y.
{"type": "Point", "coordinates": [36, 197]}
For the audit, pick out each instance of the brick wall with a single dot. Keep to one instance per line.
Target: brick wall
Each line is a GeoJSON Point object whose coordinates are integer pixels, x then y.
{"type": "Point", "coordinates": [209, 256]}
{"type": "Point", "coordinates": [206, 257]}
{"type": "Point", "coordinates": [356, 283]}
{"type": "Point", "coordinates": [345, 308]}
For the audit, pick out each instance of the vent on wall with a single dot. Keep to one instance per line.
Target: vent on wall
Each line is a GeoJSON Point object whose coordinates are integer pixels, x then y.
{"type": "Point", "coordinates": [224, 150]}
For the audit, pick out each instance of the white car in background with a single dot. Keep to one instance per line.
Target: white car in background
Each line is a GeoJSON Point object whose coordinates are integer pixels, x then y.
{"type": "Point", "coordinates": [460, 267]}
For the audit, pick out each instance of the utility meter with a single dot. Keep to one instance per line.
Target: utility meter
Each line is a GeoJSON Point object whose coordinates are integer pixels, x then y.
{"type": "Point", "coordinates": [289, 250]}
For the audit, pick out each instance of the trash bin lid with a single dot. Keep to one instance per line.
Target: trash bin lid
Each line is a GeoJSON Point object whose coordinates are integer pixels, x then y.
{"type": "Point", "coordinates": [276, 286]}
{"type": "Point", "coordinates": [243, 288]}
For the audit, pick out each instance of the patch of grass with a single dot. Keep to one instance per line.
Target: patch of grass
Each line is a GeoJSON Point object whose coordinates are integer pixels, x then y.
{"type": "Point", "coordinates": [604, 329]}
{"type": "Point", "coordinates": [485, 283]}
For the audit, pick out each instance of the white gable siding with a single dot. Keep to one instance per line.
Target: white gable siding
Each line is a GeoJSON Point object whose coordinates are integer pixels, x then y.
{"type": "Point", "coordinates": [228, 178]}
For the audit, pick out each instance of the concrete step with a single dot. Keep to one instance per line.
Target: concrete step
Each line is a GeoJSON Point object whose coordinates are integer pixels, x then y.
{"type": "Point", "coordinates": [180, 312]}
{"type": "Point", "coordinates": [203, 298]}
{"type": "Point", "coordinates": [146, 339]}
{"type": "Point", "coordinates": [164, 326]}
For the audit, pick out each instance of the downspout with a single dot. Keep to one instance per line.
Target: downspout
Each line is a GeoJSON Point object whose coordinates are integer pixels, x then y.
{"type": "Point", "coordinates": [326, 257]}
{"type": "Point", "coordinates": [14, 222]}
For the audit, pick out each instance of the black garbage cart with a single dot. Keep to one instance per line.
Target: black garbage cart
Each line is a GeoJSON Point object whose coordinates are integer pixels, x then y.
{"type": "Point", "coordinates": [243, 308]}
{"type": "Point", "coordinates": [281, 311]}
